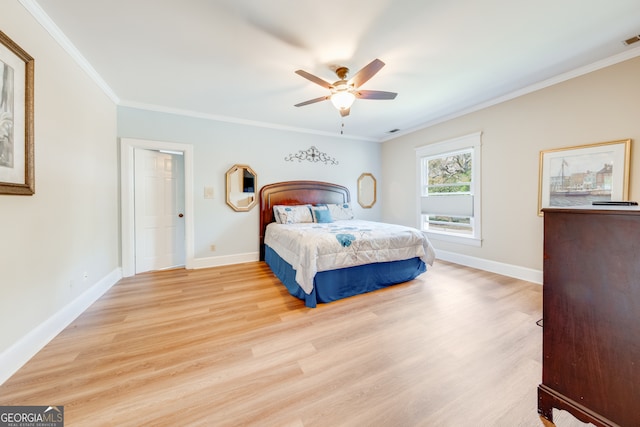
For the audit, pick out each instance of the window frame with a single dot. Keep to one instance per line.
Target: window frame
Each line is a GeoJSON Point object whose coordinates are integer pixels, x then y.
{"type": "Point", "coordinates": [472, 142]}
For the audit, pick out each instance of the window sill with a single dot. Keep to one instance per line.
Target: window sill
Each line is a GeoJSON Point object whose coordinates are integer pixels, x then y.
{"type": "Point", "coordinates": [470, 241]}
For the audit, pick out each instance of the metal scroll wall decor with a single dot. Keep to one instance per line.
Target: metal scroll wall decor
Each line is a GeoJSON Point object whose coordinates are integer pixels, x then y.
{"type": "Point", "coordinates": [312, 155]}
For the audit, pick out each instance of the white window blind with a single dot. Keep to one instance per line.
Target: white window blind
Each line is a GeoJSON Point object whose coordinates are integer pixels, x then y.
{"type": "Point", "coordinates": [456, 205]}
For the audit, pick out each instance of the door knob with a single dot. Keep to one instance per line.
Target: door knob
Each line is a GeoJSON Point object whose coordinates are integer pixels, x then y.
{"type": "Point", "coordinates": [180, 215]}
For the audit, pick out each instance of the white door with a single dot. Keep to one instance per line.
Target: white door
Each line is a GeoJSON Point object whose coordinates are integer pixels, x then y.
{"type": "Point", "coordinates": [159, 210]}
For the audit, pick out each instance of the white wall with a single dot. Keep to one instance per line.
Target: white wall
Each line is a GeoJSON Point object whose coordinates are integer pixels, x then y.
{"type": "Point", "coordinates": [70, 226]}
{"type": "Point", "coordinates": [596, 107]}
{"type": "Point", "coordinates": [220, 145]}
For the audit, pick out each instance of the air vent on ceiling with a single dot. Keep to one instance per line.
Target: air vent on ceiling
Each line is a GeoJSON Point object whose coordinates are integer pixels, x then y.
{"type": "Point", "coordinates": [393, 130]}
{"type": "Point", "coordinates": [632, 40]}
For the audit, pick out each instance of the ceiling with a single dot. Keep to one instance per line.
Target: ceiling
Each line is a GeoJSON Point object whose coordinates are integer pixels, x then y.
{"type": "Point", "coordinates": [234, 60]}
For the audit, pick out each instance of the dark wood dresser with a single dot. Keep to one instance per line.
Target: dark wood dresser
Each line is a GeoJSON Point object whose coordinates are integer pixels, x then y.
{"type": "Point", "coordinates": [591, 315]}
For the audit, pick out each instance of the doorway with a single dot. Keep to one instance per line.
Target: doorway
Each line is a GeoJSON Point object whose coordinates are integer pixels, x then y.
{"type": "Point", "coordinates": [156, 188]}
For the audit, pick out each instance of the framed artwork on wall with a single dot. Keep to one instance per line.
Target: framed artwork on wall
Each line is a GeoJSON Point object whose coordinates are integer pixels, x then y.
{"type": "Point", "coordinates": [16, 119]}
{"type": "Point", "coordinates": [583, 174]}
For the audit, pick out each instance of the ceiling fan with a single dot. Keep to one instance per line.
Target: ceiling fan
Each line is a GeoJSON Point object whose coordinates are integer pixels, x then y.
{"type": "Point", "coordinates": [343, 91]}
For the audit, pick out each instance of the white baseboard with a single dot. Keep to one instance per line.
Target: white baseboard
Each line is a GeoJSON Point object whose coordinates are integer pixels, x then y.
{"type": "Point", "coordinates": [225, 260]}
{"type": "Point", "coordinates": [19, 353]}
{"type": "Point", "coordinates": [523, 273]}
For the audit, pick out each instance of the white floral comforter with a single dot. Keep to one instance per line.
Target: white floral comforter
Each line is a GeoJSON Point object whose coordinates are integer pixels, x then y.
{"type": "Point", "coordinates": [314, 247]}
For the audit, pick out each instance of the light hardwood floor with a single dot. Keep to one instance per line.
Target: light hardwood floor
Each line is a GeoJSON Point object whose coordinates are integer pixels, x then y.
{"type": "Point", "coordinates": [228, 346]}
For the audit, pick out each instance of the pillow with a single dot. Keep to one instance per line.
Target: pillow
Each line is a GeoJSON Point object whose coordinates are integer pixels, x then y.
{"type": "Point", "coordinates": [276, 214]}
{"type": "Point", "coordinates": [321, 214]}
{"type": "Point", "coordinates": [341, 211]}
{"type": "Point", "coordinates": [292, 214]}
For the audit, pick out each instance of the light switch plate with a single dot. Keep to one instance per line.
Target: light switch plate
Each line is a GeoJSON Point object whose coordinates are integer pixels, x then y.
{"type": "Point", "coordinates": [208, 192]}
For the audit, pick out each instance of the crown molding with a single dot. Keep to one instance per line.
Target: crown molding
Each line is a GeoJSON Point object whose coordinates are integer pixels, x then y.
{"type": "Point", "coordinates": [43, 19]}
{"type": "Point", "coordinates": [235, 120]}
{"type": "Point", "coordinates": [598, 65]}
{"type": "Point", "coordinates": [40, 15]}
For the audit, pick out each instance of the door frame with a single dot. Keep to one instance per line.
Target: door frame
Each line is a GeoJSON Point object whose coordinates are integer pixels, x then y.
{"type": "Point", "coordinates": [127, 193]}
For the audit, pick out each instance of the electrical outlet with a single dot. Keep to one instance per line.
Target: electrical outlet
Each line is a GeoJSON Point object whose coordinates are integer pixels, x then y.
{"type": "Point", "coordinates": [212, 248]}
{"type": "Point", "coordinates": [85, 275]}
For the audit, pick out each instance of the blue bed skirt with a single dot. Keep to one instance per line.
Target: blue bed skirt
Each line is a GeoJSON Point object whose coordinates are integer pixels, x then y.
{"type": "Point", "coordinates": [344, 282]}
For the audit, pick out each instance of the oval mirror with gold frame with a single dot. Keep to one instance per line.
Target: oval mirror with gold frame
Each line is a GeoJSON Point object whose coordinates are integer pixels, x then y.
{"type": "Point", "coordinates": [367, 190]}
{"type": "Point", "coordinates": [242, 182]}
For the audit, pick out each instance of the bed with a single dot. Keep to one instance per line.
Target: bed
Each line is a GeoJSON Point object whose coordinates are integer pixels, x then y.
{"type": "Point", "coordinates": [312, 275]}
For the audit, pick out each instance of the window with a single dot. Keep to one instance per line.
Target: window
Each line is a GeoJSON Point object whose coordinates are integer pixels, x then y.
{"type": "Point", "coordinates": [449, 183]}
{"type": "Point", "coordinates": [447, 180]}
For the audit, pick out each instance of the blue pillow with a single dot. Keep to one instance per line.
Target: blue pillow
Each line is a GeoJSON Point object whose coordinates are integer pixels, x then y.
{"type": "Point", "coordinates": [322, 215]}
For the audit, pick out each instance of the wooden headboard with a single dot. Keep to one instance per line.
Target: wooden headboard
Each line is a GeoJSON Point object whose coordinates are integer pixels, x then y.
{"type": "Point", "coordinates": [296, 193]}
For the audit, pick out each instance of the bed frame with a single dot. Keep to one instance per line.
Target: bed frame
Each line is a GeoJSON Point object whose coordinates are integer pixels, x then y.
{"type": "Point", "coordinates": [296, 193]}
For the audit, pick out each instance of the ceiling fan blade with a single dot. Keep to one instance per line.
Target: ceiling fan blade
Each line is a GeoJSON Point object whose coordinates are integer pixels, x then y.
{"type": "Point", "coordinates": [312, 101]}
{"type": "Point", "coordinates": [345, 112]}
{"type": "Point", "coordinates": [366, 73]}
{"type": "Point", "coordinates": [315, 79]}
{"type": "Point", "coordinates": [375, 94]}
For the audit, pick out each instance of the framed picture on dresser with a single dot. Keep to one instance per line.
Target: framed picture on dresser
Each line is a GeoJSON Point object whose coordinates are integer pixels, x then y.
{"type": "Point", "coordinates": [16, 119]}
{"type": "Point", "coordinates": [580, 175]}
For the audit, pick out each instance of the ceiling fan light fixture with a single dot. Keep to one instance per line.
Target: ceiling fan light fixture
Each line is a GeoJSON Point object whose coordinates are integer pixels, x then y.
{"type": "Point", "coordinates": [342, 100]}
{"type": "Point", "coordinates": [344, 92]}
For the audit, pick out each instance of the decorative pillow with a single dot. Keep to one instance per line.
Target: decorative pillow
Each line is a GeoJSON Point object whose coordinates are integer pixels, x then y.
{"type": "Point", "coordinates": [341, 211]}
{"type": "Point", "coordinates": [276, 214]}
{"type": "Point", "coordinates": [292, 214]}
{"type": "Point", "coordinates": [321, 214]}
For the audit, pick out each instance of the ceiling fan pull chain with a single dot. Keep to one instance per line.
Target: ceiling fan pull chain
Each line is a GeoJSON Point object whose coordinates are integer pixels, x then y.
{"type": "Point", "coordinates": [342, 128]}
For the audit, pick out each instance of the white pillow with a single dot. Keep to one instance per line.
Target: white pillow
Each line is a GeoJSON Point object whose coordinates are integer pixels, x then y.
{"type": "Point", "coordinates": [292, 214]}
{"type": "Point", "coordinates": [341, 211]}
